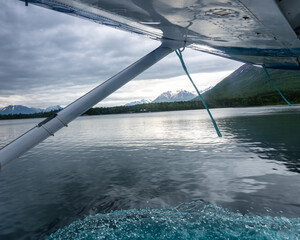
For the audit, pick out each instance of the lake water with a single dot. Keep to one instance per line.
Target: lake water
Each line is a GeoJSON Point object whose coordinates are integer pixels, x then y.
{"type": "Point", "coordinates": [159, 175]}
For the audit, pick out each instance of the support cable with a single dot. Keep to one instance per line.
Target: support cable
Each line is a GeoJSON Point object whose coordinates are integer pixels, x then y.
{"type": "Point", "coordinates": [276, 87]}
{"type": "Point", "coordinates": [179, 54]}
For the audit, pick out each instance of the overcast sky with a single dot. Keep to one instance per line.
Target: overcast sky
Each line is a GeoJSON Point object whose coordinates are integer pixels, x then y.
{"type": "Point", "coordinates": [49, 58]}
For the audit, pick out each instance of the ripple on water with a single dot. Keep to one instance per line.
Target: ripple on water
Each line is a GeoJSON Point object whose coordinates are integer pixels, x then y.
{"type": "Point", "coordinates": [196, 220]}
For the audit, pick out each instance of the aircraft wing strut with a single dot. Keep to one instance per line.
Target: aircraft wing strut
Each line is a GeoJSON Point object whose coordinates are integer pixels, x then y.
{"type": "Point", "coordinates": [54, 123]}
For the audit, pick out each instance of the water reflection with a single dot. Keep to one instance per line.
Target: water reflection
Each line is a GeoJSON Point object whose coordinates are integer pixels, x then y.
{"type": "Point", "coordinates": [273, 137]}
{"type": "Point", "coordinates": [106, 163]}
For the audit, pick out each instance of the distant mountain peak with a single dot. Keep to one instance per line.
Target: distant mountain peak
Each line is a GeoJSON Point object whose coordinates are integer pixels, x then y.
{"type": "Point", "coordinates": [177, 96]}
{"type": "Point", "coordinates": [143, 101]}
{"type": "Point", "coordinates": [52, 108]}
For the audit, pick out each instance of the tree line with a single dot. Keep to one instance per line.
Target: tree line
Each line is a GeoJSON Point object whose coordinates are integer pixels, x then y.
{"type": "Point", "coordinates": [259, 100]}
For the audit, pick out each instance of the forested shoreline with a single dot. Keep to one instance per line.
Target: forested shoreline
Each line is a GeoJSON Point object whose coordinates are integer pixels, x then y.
{"type": "Point", "coordinates": [260, 100]}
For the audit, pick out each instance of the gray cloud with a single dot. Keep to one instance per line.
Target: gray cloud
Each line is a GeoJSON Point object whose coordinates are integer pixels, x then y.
{"type": "Point", "coordinates": [41, 48]}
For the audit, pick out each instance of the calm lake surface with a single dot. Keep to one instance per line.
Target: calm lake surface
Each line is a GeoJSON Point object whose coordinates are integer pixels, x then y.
{"type": "Point", "coordinates": [139, 162]}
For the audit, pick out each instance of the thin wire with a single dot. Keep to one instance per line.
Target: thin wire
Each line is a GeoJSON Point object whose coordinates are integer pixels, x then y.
{"type": "Point", "coordinates": [276, 87]}
{"type": "Point", "coordinates": [178, 53]}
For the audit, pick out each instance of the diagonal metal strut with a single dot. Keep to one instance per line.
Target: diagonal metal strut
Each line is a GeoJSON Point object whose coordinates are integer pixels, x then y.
{"type": "Point", "coordinates": [57, 121]}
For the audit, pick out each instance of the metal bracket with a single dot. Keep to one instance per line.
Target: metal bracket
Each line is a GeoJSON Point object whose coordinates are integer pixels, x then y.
{"type": "Point", "coordinates": [47, 120]}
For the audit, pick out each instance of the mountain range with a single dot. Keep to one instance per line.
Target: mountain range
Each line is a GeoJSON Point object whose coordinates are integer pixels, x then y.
{"type": "Point", "coordinates": [178, 96]}
{"type": "Point", "coordinates": [169, 96]}
{"type": "Point", "coordinates": [19, 109]}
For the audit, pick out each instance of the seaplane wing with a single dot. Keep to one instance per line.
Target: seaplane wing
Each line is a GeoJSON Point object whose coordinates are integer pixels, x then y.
{"type": "Point", "coordinates": [253, 31]}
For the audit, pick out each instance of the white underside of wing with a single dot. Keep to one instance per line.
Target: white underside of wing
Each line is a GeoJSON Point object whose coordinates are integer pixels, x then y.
{"type": "Point", "coordinates": [252, 31]}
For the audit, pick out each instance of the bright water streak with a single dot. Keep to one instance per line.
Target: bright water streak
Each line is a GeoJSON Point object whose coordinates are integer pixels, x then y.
{"type": "Point", "coordinates": [153, 161]}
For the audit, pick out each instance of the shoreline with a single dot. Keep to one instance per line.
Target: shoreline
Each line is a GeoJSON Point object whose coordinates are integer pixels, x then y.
{"type": "Point", "coordinates": [140, 108]}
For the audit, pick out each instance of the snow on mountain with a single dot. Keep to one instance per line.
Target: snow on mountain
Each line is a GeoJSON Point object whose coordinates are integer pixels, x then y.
{"type": "Point", "coordinates": [178, 96]}
{"type": "Point", "coordinates": [52, 108]}
{"type": "Point", "coordinates": [143, 101]}
{"type": "Point", "coordinates": [19, 109]}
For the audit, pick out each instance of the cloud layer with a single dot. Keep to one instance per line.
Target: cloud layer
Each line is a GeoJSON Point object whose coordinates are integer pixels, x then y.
{"type": "Point", "coordinates": [50, 58]}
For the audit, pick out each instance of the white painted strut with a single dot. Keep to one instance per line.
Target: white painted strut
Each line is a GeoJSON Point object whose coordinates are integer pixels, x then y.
{"type": "Point", "coordinates": [54, 123]}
